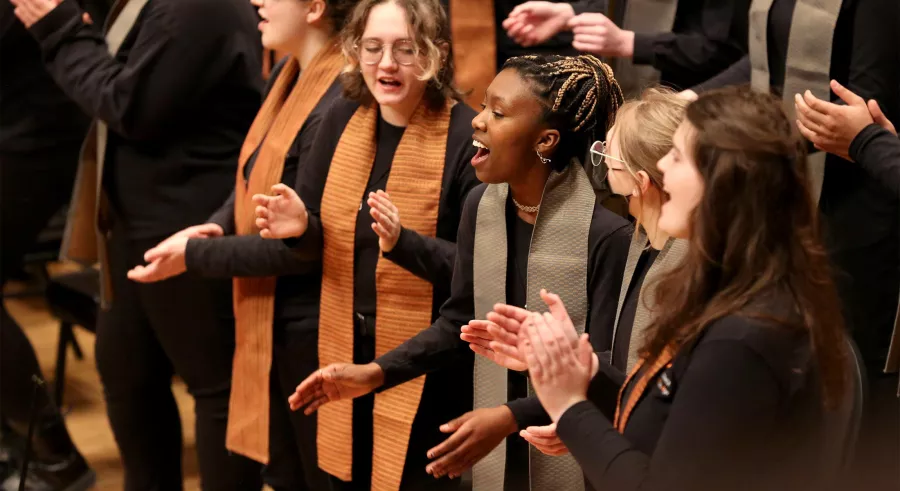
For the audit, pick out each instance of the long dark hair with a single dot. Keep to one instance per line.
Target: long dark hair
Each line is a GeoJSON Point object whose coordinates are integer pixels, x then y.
{"type": "Point", "coordinates": [579, 96]}
{"type": "Point", "coordinates": [754, 234]}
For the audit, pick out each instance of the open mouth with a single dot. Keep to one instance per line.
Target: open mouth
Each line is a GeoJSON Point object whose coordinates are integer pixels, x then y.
{"type": "Point", "coordinates": [389, 84]}
{"type": "Point", "coordinates": [482, 154]}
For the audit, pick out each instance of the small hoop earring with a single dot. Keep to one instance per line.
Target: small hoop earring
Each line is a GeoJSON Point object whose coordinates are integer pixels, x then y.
{"type": "Point", "coordinates": [544, 160]}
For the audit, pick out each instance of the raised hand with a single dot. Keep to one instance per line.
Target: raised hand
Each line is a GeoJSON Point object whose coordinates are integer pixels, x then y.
{"type": "Point", "coordinates": [167, 258]}
{"type": "Point", "coordinates": [560, 373]}
{"type": "Point", "coordinates": [533, 23]}
{"type": "Point", "coordinates": [335, 382]}
{"type": "Point", "coordinates": [387, 220]}
{"type": "Point", "coordinates": [281, 216]}
{"type": "Point", "coordinates": [545, 439]}
{"type": "Point", "coordinates": [485, 336]}
{"type": "Point", "coordinates": [832, 127]}
{"type": "Point", "coordinates": [596, 34]}
{"type": "Point", "coordinates": [474, 435]}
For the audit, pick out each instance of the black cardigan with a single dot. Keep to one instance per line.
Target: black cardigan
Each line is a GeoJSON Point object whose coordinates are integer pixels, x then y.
{"type": "Point", "coordinates": [178, 98]}
{"type": "Point", "coordinates": [297, 288]}
{"type": "Point", "coordinates": [740, 410]}
{"type": "Point", "coordinates": [878, 152]}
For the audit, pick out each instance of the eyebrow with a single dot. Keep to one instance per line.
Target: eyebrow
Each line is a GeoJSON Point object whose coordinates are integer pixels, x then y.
{"type": "Point", "coordinates": [497, 100]}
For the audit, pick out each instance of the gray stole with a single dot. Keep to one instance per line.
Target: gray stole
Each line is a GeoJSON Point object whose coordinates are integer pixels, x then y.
{"type": "Point", "coordinates": [644, 17]}
{"type": "Point", "coordinates": [669, 257]}
{"type": "Point", "coordinates": [87, 226]}
{"type": "Point", "coordinates": [808, 64]}
{"type": "Point", "coordinates": [557, 261]}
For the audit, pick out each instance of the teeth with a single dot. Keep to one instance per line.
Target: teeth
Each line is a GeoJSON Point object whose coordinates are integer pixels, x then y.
{"type": "Point", "coordinates": [478, 144]}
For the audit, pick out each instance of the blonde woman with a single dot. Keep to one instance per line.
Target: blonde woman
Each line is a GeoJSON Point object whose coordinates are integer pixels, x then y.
{"type": "Point", "coordinates": [641, 136]}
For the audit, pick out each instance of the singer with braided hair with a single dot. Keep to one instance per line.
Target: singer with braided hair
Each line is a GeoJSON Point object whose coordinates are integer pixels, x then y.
{"type": "Point", "coordinates": [535, 224]}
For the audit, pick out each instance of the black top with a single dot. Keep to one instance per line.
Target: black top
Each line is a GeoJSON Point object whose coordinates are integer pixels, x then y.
{"type": "Point", "coordinates": [706, 38]}
{"type": "Point", "coordinates": [440, 345]}
{"type": "Point", "coordinates": [878, 152]}
{"type": "Point", "coordinates": [298, 282]}
{"type": "Point", "coordinates": [622, 342]}
{"type": "Point", "coordinates": [178, 98]}
{"type": "Point", "coordinates": [865, 59]}
{"type": "Point", "coordinates": [561, 44]}
{"type": "Point", "coordinates": [739, 411]}
{"type": "Point", "coordinates": [35, 114]}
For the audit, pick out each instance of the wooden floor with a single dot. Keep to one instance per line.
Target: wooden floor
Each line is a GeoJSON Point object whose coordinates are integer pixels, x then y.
{"type": "Point", "coordinates": [86, 411]}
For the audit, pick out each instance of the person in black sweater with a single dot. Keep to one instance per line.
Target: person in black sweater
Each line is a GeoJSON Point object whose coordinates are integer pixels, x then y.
{"type": "Point", "coordinates": [706, 36]}
{"type": "Point", "coordinates": [41, 131]}
{"type": "Point", "coordinates": [522, 142]}
{"type": "Point", "coordinates": [307, 31]}
{"type": "Point", "coordinates": [391, 160]}
{"type": "Point", "coordinates": [177, 98]}
{"type": "Point", "coordinates": [747, 352]}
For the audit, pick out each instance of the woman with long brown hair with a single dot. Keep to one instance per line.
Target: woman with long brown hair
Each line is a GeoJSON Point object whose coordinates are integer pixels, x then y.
{"type": "Point", "coordinates": [747, 351]}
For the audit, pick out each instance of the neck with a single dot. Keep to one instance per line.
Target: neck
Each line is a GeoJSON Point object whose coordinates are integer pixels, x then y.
{"type": "Point", "coordinates": [529, 189]}
{"type": "Point", "coordinates": [312, 44]}
{"type": "Point", "coordinates": [647, 210]}
{"type": "Point", "coordinates": [400, 114]}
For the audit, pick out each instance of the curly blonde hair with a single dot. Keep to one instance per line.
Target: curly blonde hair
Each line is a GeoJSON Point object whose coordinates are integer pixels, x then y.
{"type": "Point", "coordinates": [430, 27]}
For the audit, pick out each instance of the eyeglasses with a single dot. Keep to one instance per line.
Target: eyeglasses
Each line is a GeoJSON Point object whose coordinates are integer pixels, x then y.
{"type": "Point", "coordinates": [599, 156]}
{"type": "Point", "coordinates": [403, 52]}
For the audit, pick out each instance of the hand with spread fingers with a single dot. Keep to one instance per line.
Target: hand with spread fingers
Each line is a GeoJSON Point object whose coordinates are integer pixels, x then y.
{"type": "Point", "coordinates": [560, 372]}
{"type": "Point", "coordinates": [545, 439]}
{"type": "Point", "coordinates": [494, 343]}
{"type": "Point", "coordinates": [832, 127]}
{"type": "Point", "coordinates": [387, 220]}
{"type": "Point", "coordinates": [31, 11]}
{"type": "Point", "coordinates": [474, 435]}
{"type": "Point", "coordinates": [166, 260]}
{"type": "Point", "coordinates": [533, 23]}
{"type": "Point", "coordinates": [335, 382]}
{"type": "Point", "coordinates": [282, 215]}
{"type": "Point", "coordinates": [596, 34]}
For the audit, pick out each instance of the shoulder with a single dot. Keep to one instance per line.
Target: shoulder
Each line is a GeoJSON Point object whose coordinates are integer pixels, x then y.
{"type": "Point", "coordinates": [606, 224]}
{"type": "Point", "coordinates": [337, 113]}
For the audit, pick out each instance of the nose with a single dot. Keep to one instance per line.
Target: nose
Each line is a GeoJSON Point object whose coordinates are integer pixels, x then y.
{"type": "Point", "coordinates": [387, 62]}
{"type": "Point", "coordinates": [478, 122]}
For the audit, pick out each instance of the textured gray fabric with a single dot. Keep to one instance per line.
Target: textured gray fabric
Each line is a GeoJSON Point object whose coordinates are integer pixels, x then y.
{"type": "Point", "coordinates": [808, 65]}
{"type": "Point", "coordinates": [645, 17]}
{"type": "Point", "coordinates": [669, 257]}
{"type": "Point", "coordinates": [88, 198]}
{"type": "Point", "coordinates": [558, 262]}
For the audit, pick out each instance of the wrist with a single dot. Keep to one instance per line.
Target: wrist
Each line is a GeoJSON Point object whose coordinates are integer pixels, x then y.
{"type": "Point", "coordinates": [374, 374]}
{"type": "Point", "coordinates": [626, 46]}
{"type": "Point", "coordinates": [561, 409]}
{"type": "Point", "coordinates": [565, 11]}
{"type": "Point", "coordinates": [510, 425]}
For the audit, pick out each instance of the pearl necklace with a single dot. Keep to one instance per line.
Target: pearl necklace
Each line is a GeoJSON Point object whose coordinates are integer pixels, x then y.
{"type": "Point", "coordinates": [527, 209]}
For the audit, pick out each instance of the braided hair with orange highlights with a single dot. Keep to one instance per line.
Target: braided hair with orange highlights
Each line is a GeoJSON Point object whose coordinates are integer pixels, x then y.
{"type": "Point", "coordinates": [580, 97]}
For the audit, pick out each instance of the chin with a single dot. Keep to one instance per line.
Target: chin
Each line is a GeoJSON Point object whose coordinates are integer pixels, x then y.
{"type": "Point", "coordinates": [395, 99]}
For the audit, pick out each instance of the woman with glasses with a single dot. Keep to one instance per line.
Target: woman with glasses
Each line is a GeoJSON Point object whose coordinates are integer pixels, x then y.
{"type": "Point", "coordinates": [380, 203]}
{"type": "Point", "coordinates": [535, 224]}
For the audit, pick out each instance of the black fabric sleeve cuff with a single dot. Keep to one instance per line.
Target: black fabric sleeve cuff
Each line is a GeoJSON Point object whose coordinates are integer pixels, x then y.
{"type": "Point", "coordinates": [643, 49]}
{"type": "Point", "coordinates": [56, 22]}
{"type": "Point", "coordinates": [528, 412]}
{"type": "Point", "coordinates": [194, 254]}
{"type": "Point", "coordinates": [403, 244]}
{"type": "Point", "coordinates": [858, 145]}
{"type": "Point", "coordinates": [396, 368]}
{"type": "Point", "coordinates": [570, 426]}
{"type": "Point", "coordinates": [585, 6]}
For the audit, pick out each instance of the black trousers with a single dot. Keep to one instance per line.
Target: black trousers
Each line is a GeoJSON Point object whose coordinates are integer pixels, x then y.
{"type": "Point", "coordinates": [293, 463]}
{"type": "Point", "coordinates": [33, 187]}
{"type": "Point", "coordinates": [181, 326]}
{"type": "Point", "coordinates": [422, 437]}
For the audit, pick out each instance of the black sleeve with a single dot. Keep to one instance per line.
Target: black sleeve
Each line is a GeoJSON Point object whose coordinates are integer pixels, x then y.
{"type": "Point", "coordinates": [432, 258]}
{"type": "Point", "coordinates": [712, 406]}
{"type": "Point", "coordinates": [585, 6]}
{"type": "Point", "coordinates": [440, 345]}
{"type": "Point", "coordinates": [224, 216]}
{"type": "Point", "coordinates": [712, 44]}
{"type": "Point", "coordinates": [737, 74]}
{"type": "Point", "coordinates": [878, 152]}
{"type": "Point", "coordinates": [875, 57]}
{"type": "Point", "coordinates": [243, 256]}
{"type": "Point", "coordinates": [177, 56]}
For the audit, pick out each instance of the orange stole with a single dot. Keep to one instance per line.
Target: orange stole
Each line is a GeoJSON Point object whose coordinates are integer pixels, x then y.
{"type": "Point", "coordinates": [273, 131]}
{"type": "Point", "coordinates": [404, 303]}
{"type": "Point", "coordinates": [623, 412]}
{"type": "Point", "coordinates": [474, 38]}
